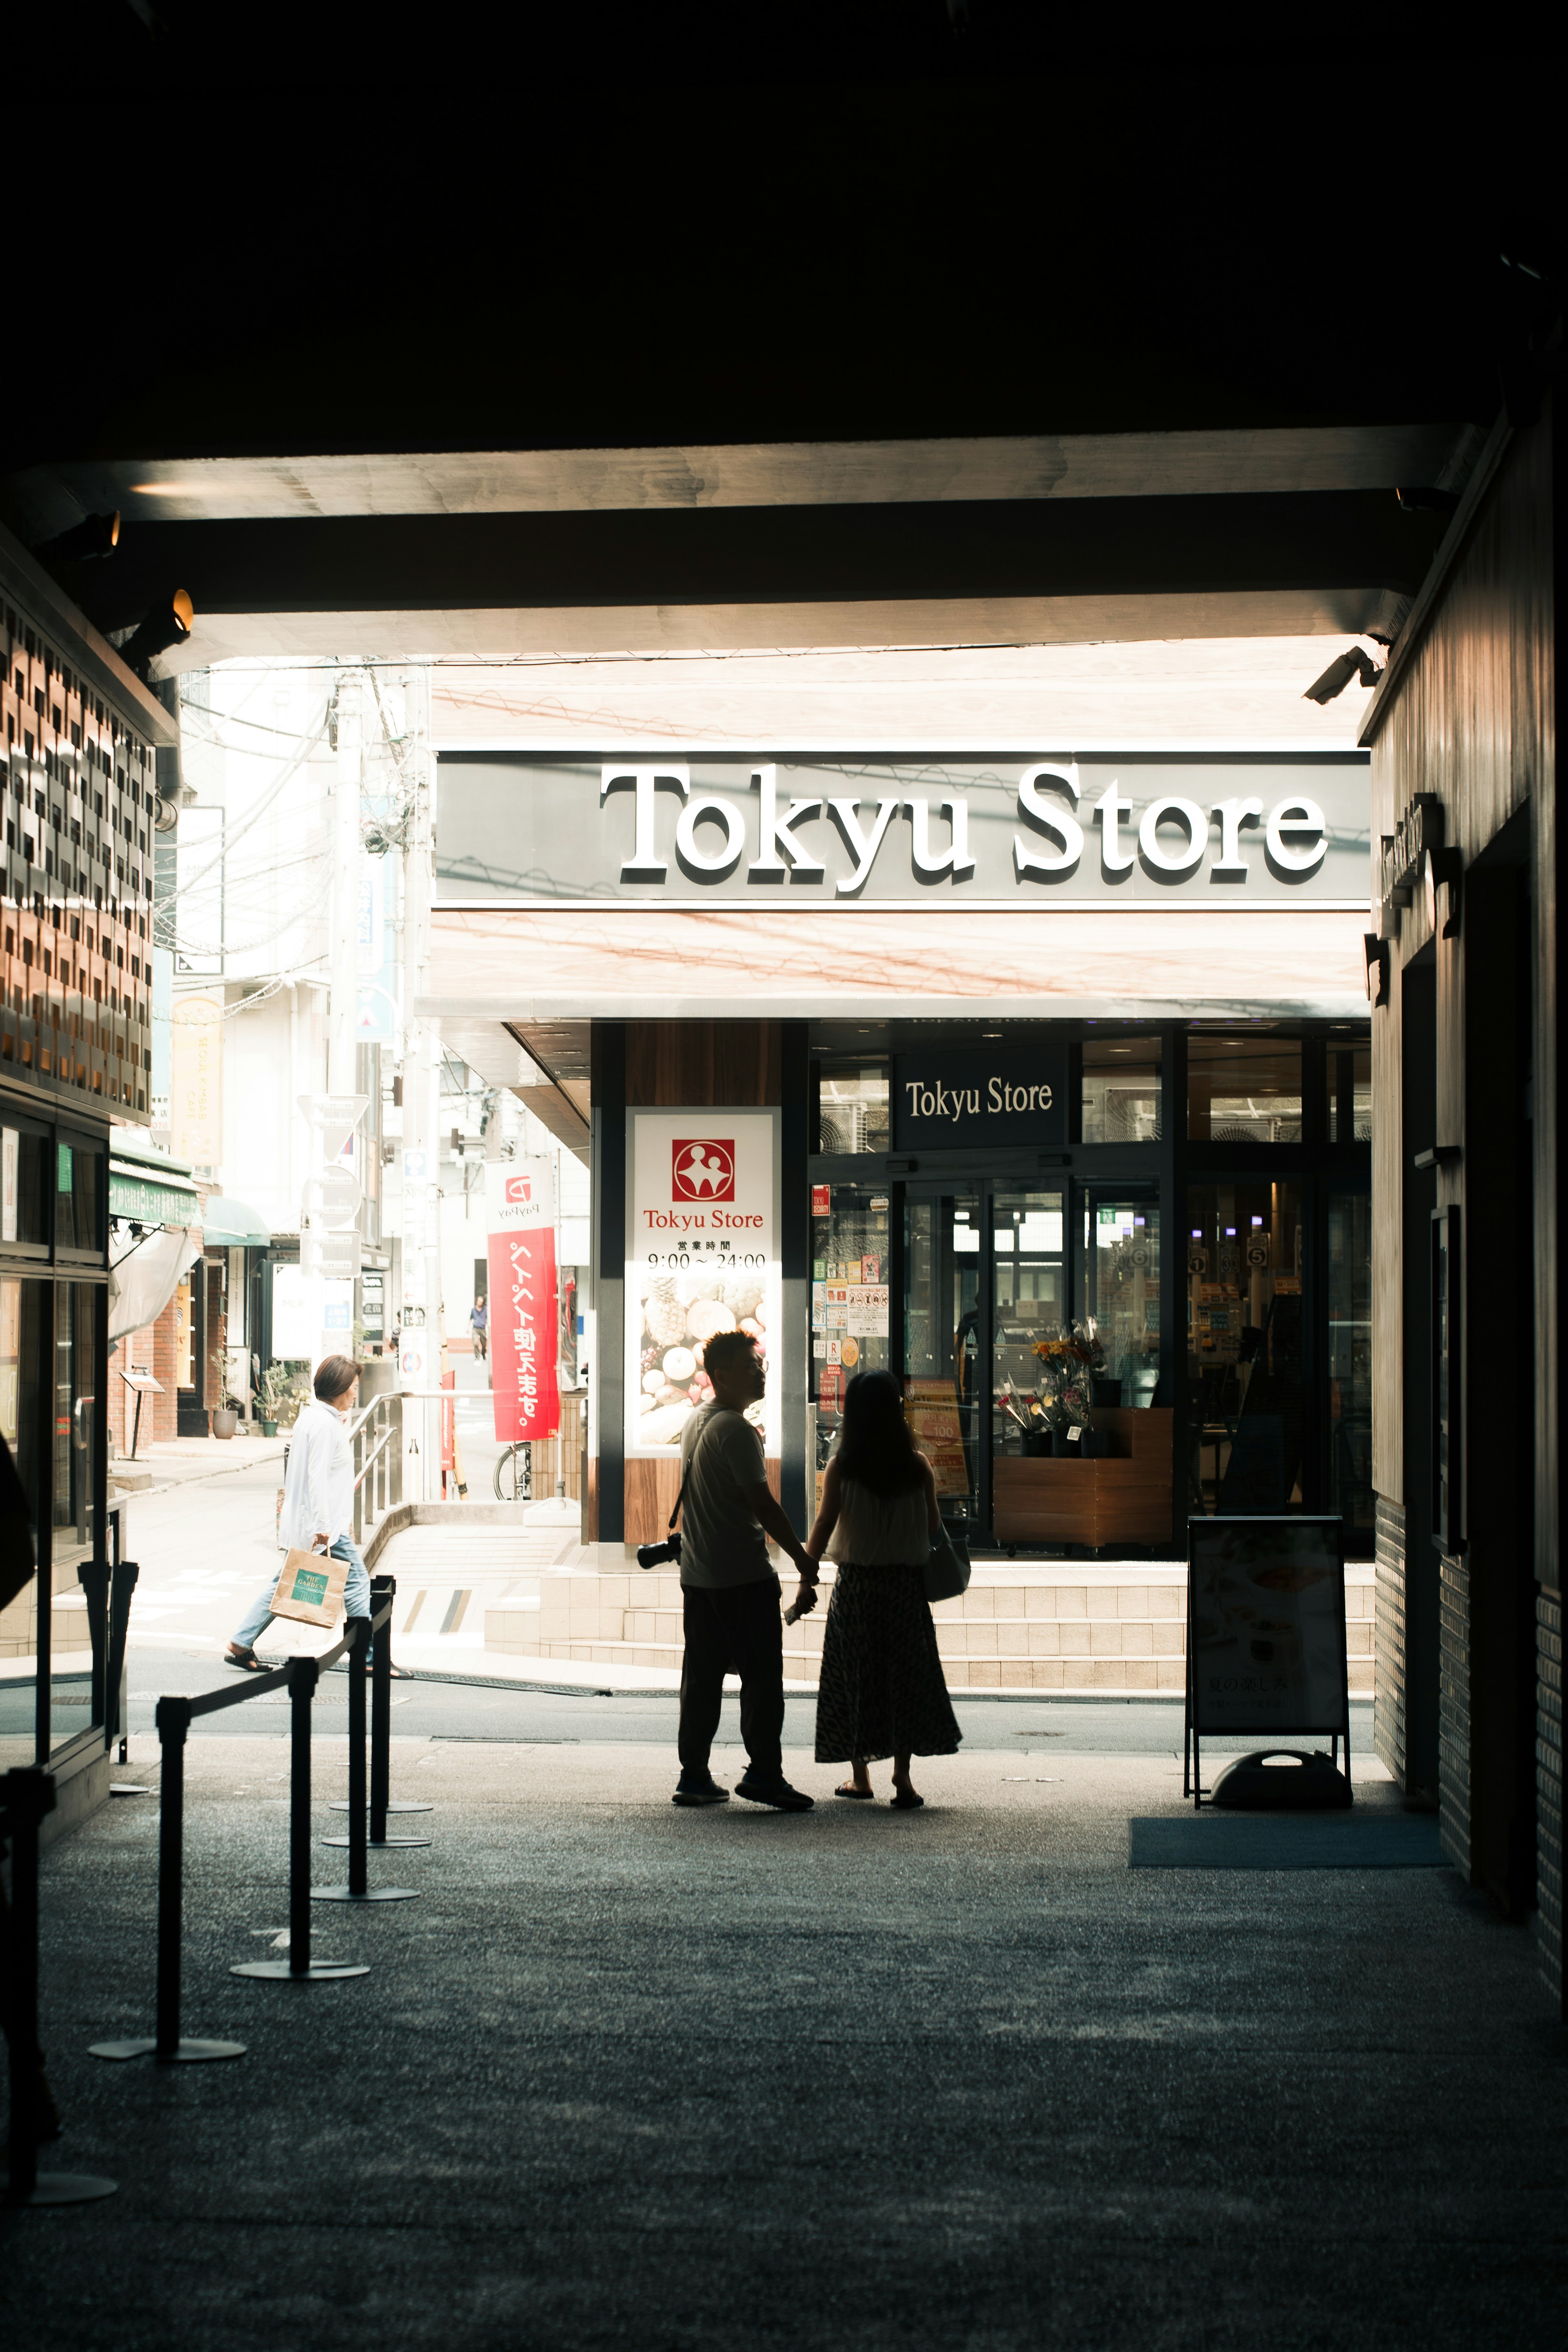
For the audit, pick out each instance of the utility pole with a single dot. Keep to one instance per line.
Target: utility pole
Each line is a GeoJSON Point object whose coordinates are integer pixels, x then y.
{"type": "Point", "coordinates": [341, 1069]}
{"type": "Point", "coordinates": [421, 1352]}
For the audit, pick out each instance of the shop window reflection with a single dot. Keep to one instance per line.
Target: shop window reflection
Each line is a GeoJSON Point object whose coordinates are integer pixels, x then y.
{"type": "Point", "coordinates": [1349, 1369]}
{"type": "Point", "coordinates": [1247, 1404]}
{"type": "Point", "coordinates": [1029, 1243]}
{"type": "Point", "coordinates": [23, 1305]}
{"type": "Point", "coordinates": [1350, 1094]}
{"type": "Point", "coordinates": [850, 1318]}
{"type": "Point", "coordinates": [942, 1363]}
{"type": "Point", "coordinates": [852, 1107]}
{"type": "Point", "coordinates": [1244, 1089]}
{"type": "Point", "coordinates": [24, 1195]}
{"type": "Point", "coordinates": [1119, 1291]}
{"type": "Point", "coordinates": [1121, 1095]}
{"type": "Point", "coordinates": [74, 1393]}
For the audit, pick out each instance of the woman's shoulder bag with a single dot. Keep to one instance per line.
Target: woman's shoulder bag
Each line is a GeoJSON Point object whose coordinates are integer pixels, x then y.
{"type": "Point", "coordinates": [947, 1568]}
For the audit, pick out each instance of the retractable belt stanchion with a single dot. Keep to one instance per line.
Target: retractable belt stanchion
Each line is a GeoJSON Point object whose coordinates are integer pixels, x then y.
{"type": "Point", "coordinates": [26, 1796]}
{"type": "Point", "coordinates": [168, 2044]}
{"type": "Point", "coordinates": [299, 1967]}
{"type": "Point", "coordinates": [358, 1890]}
{"type": "Point", "coordinates": [382, 1592]}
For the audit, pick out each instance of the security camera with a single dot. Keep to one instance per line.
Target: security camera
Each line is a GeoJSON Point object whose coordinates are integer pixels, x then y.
{"type": "Point", "coordinates": [1339, 674]}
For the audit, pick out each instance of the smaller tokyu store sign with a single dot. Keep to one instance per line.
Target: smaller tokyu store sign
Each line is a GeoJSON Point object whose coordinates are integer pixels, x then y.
{"type": "Point", "coordinates": [702, 1256]}
{"type": "Point", "coordinates": [952, 1100]}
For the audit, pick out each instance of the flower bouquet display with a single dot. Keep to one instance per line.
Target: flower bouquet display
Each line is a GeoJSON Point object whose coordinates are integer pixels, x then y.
{"type": "Point", "coordinates": [1069, 1361]}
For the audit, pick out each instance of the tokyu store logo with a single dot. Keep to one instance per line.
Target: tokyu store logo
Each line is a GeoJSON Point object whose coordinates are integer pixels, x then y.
{"type": "Point", "coordinates": [1150, 829]}
{"type": "Point", "coordinates": [701, 1170]}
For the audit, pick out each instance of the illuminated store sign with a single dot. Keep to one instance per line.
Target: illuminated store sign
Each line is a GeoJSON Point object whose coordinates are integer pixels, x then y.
{"type": "Point", "coordinates": [944, 1100]}
{"type": "Point", "coordinates": [1099, 831]}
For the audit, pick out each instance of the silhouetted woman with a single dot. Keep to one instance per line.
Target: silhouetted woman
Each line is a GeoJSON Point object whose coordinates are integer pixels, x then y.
{"type": "Point", "coordinates": [881, 1692]}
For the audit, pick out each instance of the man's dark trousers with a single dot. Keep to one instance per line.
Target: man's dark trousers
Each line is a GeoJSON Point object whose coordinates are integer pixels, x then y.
{"type": "Point", "coordinates": [733, 1629]}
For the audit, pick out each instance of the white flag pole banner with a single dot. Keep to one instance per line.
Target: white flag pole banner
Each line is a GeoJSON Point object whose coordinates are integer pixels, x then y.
{"type": "Point", "coordinates": [522, 1299]}
{"type": "Point", "coordinates": [702, 1256]}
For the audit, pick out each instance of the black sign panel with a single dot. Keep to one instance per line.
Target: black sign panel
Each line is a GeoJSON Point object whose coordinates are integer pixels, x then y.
{"type": "Point", "coordinates": [959, 1100]}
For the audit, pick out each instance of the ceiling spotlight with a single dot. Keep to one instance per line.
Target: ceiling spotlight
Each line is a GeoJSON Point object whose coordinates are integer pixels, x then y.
{"type": "Point", "coordinates": [96, 535]}
{"type": "Point", "coordinates": [1339, 674]}
{"type": "Point", "coordinates": [166, 624]}
{"type": "Point", "coordinates": [1441, 503]}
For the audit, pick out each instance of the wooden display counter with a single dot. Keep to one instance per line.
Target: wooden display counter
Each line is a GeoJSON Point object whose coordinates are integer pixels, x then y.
{"type": "Point", "coordinates": [1104, 1501]}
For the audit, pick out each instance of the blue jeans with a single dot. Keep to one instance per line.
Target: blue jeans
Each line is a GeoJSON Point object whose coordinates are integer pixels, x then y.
{"type": "Point", "coordinates": [356, 1596]}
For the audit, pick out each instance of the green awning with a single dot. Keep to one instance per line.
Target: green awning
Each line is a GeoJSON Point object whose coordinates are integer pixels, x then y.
{"type": "Point", "coordinates": [229, 1224]}
{"type": "Point", "coordinates": [152, 1197]}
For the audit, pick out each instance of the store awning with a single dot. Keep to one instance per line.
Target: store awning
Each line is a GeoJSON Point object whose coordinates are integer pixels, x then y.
{"type": "Point", "coordinates": [151, 1196]}
{"type": "Point", "coordinates": [229, 1224]}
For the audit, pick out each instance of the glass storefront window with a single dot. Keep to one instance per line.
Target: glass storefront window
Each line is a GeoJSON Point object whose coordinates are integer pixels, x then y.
{"type": "Point", "coordinates": [78, 1193]}
{"type": "Point", "coordinates": [1244, 1089]}
{"type": "Point", "coordinates": [1244, 1306]}
{"type": "Point", "coordinates": [24, 1196]}
{"type": "Point", "coordinates": [1119, 1288]}
{"type": "Point", "coordinates": [22, 1306]}
{"type": "Point", "coordinates": [1121, 1090]}
{"type": "Point", "coordinates": [849, 1275]}
{"type": "Point", "coordinates": [1350, 1094]}
{"type": "Point", "coordinates": [852, 1107]}
{"type": "Point", "coordinates": [1030, 1274]}
{"type": "Point", "coordinates": [75, 1391]}
{"type": "Point", "coordinates": [942, 1360]}
{"type": "Point", "coordinates": [1349, 1369]}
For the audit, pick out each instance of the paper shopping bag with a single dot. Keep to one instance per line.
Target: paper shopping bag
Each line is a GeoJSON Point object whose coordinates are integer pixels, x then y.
{"type": "Point", "coordinates": [310, 1588]}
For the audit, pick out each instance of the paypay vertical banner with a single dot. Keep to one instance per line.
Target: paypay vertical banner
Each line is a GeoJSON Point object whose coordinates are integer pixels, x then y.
{"type": "Point", "coordinates": [520, 1197]}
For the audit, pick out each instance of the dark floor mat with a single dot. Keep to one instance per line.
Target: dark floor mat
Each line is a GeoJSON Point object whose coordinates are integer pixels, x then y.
{"type": "Point", "coordinates": [1353, 1840]}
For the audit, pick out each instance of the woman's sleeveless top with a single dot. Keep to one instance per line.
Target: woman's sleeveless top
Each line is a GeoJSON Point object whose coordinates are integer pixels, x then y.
{"type": "Point", "coordinates": [880, 1530]}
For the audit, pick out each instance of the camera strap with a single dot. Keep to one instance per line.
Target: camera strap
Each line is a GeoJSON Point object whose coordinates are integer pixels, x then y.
{"type": "Point", "coordinates": [686, 1474]}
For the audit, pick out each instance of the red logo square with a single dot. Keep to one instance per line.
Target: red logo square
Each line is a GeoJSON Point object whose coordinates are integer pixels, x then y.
{"type": "Point", "coordinates": [701, 1169]}
{"type": "Point", "coordinates": [519, 1188]}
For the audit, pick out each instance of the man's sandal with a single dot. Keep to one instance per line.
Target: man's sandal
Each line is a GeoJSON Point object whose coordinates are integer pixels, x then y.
{"type": "Point", "coordinates": [246, 1661]}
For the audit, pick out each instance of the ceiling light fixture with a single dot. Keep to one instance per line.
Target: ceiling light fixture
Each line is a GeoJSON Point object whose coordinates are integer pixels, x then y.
{"type": "Point", "coordinates": [96, 535]}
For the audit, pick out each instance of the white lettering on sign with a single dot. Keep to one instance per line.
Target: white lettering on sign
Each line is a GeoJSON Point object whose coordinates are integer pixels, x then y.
{"type": "Point", "coordinates": [1067, 830]}
{"type": "Point", "coordinates": [939, 1100]}
{"type": "Point", "coordinates": [1296, 817]}
{"type": "Point", "coordinates": [710, 831]}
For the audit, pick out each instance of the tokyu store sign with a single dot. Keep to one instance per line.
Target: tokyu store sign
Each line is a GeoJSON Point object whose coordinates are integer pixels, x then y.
{"type": "Point", "coordinates": [702, 1256]}
{"type": "Point", "coordinates": [1099, 830]}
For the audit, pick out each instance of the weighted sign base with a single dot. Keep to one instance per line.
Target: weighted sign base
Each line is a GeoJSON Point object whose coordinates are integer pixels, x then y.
{"type": "Point", "coordinates": [192, 2051]}
{"type": "Point", "coordinates": [378, 1845]}
{"type": "Point", "coordinates": [319, 1971]}
{"type": "Point", "coordinates": [370, 1895]}
{"type": "Point", "coordinates": [65, 2188]}
{"type": "Point", "coordinates": [394, 1805]}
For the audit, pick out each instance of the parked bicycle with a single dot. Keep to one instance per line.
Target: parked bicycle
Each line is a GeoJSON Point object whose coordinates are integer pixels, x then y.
{"type": "Point", "coordinates": [515, 1474]}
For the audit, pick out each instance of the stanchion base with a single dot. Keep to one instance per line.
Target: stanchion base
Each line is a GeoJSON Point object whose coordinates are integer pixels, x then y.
{"type": "Point", "coordinates": [370, 1895]}
{"type": "Point", "coordinates": [127, 1789]}
{"type": "Point", "coordinates": [319, 1971]}
{"type": "Point", "coordinates": [192, 2051]}
{"type": "Point", "coordinates": [65, 2188]}
{"type": "Point", "coordinates": [377, 1845]}
{"type": "Point", "coordinates": [394, 1805]}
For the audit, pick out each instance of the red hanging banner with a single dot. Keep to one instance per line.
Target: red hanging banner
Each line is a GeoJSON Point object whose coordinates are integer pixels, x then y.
{"type": "Point", "coordinates": [523, 1311]}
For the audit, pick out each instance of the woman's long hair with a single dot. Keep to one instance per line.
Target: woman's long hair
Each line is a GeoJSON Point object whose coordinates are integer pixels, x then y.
{"type": "Point", "coordinates": [875, 1446]}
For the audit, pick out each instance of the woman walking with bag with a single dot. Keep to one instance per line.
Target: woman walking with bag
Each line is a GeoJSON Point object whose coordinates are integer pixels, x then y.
{"type": "Point", "coordinates": [881, 1691]}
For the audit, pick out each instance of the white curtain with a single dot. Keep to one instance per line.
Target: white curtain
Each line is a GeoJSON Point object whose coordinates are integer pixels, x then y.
{"type": "Point", "coordinates": [144, 1273]}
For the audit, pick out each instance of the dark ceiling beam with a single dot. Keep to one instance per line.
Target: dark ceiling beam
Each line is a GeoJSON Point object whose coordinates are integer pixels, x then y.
{"type": "Point", "coordinates": [774, 555]}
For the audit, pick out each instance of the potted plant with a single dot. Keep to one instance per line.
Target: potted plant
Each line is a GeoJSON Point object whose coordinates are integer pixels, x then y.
{"type": "Point", "coordinates": [226, 1417]}
{"type": "Point", "coordinates": [271, 1388]}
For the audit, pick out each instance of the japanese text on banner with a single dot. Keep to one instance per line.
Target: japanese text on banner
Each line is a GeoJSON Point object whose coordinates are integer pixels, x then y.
{"type": "Point", "coordinates": [522, 1299]}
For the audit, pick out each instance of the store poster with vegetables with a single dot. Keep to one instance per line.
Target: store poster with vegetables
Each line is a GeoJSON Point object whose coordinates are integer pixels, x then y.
{"type": "Point", "coordinates": [1268, 1624]}
{"type": "Point", "coordinates": [701, 1257]}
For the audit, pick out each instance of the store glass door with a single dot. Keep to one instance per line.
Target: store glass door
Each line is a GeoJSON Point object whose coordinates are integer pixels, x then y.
{"type": "Point", "coordinates": [947, 1344]}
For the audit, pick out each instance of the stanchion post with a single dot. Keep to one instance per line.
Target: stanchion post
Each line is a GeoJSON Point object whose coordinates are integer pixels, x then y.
{"type": "Point", "coordinates": [358, 1641]}
{"type": "Point", "coordinates": [302, 1679]}
{"type": "Point", "coordinates": [382, 1590]}
{"type": "Point", "coordinates": [173, 1722]}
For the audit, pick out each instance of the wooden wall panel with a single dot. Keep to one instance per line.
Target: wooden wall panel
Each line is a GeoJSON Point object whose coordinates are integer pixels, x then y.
{"type": "Point", "coordinates": [651, 1490]}
{"type": "Point", "coordinates": [730, 1063]}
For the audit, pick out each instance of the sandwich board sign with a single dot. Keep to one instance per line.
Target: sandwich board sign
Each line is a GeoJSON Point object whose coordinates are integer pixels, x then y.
{"type": "Point", "coordinates": [1265, 1632]}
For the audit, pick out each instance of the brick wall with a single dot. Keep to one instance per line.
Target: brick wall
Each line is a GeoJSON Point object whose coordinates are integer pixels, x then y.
{"type": "Point", "coordinates": [1549, 1788]}
{"type": "Point", "coordinates": [1454, 1711]}
{"type": "Point", "coordinates": [1388, 1734]}
{"type": "Point", "coordinates": [154, 1348]}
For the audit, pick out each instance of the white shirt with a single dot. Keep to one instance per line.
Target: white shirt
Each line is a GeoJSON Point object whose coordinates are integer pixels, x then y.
{"type": "Point", "coordinates": [318, 1491]}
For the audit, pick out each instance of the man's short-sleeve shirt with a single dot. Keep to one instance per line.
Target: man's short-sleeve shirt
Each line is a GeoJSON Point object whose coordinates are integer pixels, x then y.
{"type": "Point", "coordinates": [722, 1539]}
